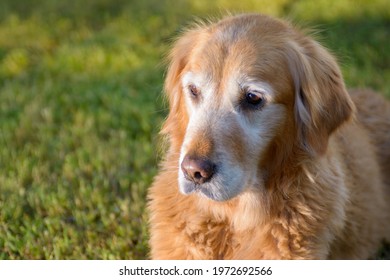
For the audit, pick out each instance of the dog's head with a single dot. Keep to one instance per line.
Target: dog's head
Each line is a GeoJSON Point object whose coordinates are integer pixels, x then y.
{"type": "Point", "coordinates": [246, 92]}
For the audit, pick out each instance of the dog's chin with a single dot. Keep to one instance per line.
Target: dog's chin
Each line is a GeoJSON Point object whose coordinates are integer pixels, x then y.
{"type": "Point", "coordinates": [210, 190]}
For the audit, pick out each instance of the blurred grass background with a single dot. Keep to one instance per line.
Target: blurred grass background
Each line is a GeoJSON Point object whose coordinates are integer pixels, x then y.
{"type": "Point", "coordinates": [81, 107]}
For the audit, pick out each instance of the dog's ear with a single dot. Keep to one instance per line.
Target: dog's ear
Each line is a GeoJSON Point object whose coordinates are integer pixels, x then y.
{"type": "Point", "coordinates": [178, 58]}
{"type": "Point", "coordinates": [322, 102]}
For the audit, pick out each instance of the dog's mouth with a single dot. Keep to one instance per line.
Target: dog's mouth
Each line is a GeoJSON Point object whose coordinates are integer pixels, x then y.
{"type": "Point", "coordinates": [207, 190]}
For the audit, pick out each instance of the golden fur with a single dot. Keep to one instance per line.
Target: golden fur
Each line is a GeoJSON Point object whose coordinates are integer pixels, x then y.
{"type": "Point", "coordinates": [313, 163]}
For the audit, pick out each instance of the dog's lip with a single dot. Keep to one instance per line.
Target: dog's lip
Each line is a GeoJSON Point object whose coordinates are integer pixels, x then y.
{"type": "Point", "coordinates": [191, 188]}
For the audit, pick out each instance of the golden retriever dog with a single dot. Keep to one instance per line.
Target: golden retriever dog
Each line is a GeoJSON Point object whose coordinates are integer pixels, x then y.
{"type": "Point", "coordinates": [270, 157]}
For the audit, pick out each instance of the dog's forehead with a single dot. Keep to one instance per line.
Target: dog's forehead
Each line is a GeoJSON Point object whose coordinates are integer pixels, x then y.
{"type": "Point", "coordinates": [245, 54]}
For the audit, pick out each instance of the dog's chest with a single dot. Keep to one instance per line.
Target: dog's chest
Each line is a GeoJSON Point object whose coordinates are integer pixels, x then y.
{"type": "Point", "coordinates": [211, 240]}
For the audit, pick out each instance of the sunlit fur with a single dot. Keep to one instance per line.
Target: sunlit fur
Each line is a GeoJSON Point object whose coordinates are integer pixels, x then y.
{"type": "Point", "coordinates": [305, 176]}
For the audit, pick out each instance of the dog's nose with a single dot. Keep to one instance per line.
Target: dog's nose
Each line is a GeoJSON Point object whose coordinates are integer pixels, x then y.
{"type": "Point", "coordinates": [197, 170]}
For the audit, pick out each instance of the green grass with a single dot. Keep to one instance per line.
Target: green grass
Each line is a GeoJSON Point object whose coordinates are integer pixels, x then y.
{"type": "Point", "coordinates": [81, 107]}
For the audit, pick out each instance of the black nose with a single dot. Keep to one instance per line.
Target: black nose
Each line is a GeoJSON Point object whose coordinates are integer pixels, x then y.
{"type": "Point", "coordinates": [197, 170]}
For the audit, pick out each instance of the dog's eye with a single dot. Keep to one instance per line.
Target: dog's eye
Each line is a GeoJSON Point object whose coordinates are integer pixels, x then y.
{"type": "Point", "coordinates": [254, 99]}
{"type": "Point", "coordinates": [193, 90]}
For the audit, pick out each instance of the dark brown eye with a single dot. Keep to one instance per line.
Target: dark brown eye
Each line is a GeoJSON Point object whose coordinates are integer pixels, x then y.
{"type": "Point", "coordinates": [254, 98]}
{"type": "Point", "coordinates": [194, 91]}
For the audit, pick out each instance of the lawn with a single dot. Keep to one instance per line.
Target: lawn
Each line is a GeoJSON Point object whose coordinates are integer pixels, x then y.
{"type": "Point", "coordinates": [81, 105]}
